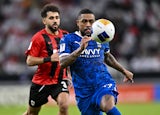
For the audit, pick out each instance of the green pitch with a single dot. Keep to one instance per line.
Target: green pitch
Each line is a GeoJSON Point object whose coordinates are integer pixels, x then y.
{"type": "Point", "coordinates": [126, 109]}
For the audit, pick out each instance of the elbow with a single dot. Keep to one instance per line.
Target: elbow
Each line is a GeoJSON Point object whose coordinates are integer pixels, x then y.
{"type": "Point", "coordinates": [62, 65]}
{"type": "Point", "coordinates": [64, 62]}
{"type": "Point", "coordinates": [29, 62]}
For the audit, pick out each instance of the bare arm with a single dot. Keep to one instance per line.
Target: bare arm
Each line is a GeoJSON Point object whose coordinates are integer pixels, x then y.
{"type": "Point", "coordinates": [32, 61]}
{"type": "Point", "coordinates": [112, 62]}
{"type": "Point", "coordinates": [69, 59]}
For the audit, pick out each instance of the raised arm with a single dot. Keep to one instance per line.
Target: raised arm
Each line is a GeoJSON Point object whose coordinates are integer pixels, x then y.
{"type": "Point", "coordinates": [67, 60]}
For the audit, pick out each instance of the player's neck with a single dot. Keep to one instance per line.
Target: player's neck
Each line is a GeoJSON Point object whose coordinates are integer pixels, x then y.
{"type": "Point", "coordinates": [52, 33]}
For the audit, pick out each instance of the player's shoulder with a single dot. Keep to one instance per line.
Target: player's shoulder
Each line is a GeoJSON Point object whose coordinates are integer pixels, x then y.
{"type": "Point", "coordinates": [106, 43]}
{"type": "Point", "coordinates": [72, 35]}
{"type": "Point", "coordinates": [69, 36]}
{"type": "Point", "coordinates": [38, 35]}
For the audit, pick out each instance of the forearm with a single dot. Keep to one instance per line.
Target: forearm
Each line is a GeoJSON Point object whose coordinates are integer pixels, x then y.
{"type": "Point", "coordinates": [112, 62]}
{"type": "Point", "coordinates": [69, 59]}
{"type": "Point", "coordinates": [32, 61]}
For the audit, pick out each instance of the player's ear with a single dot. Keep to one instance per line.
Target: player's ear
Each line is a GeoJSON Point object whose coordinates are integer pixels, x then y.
{"type": "Point", "coordinates": [77, 22]}
{"type": "Point", "coordinates": [44, 21]}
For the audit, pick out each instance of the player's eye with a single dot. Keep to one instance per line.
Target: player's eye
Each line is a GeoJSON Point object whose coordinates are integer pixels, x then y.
{"type": "Point", "coordinates": [57, 17]}
{"type": "Point", "coordinates": [91, 21]}
{"type": "Point", "coordinates": [52, 17]}
{"type": "Point", "coordinates": [85, 21]}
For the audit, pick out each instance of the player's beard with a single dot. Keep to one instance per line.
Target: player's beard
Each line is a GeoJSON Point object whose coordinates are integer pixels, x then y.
{"type": "Point", "coordinates": [53, 28]}
{"type": "Point", "coordinates": [86, 32]}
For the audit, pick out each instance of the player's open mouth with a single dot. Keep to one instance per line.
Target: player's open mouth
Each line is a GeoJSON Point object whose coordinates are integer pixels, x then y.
{"type": "Point", "coordinates": [87, 30]}
{"type": "Point", "coordinates": [55, 25]}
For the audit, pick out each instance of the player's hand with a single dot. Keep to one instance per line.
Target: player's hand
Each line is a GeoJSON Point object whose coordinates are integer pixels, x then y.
{"type": "Point", "coordinates": [128, 76]}
{"type": "Point", "coordinates": [55, 57]}
{"type": "Point", "coordinates": [84, 42]}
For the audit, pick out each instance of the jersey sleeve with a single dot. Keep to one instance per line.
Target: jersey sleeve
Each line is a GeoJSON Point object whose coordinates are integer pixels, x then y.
{"type": "Point", "coordinates": [65, 46]}
{"type": "Point", "coordinates": [35, 46]}
{"type": "Point", "coordinates": [106, 47]}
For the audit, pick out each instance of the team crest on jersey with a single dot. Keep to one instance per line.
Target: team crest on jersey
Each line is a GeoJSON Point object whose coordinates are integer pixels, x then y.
{"type": "Point", "coordinates": [62, 47]}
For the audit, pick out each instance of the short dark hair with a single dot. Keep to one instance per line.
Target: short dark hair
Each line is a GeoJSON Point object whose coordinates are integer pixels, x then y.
{"type": "Point", "coordinates": [47, 8]}
{"type": "Point", "coordinates": [85, 11]}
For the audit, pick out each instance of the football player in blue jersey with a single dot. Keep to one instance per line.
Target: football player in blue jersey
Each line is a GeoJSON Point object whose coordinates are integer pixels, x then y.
{"type": "Point", "coordinates": [95, 89]}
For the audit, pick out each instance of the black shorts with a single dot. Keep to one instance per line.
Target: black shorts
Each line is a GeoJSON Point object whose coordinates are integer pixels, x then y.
{"type": "Point", "coordinates": [39, 93]}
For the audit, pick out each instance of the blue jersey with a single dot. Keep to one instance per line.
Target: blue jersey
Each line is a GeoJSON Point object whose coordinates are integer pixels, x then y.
{"type": "Point", "coordinates": [89, 68]}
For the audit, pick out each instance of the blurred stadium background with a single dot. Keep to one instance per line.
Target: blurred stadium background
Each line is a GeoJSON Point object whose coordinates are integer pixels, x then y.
{"type": "Point", "coordinates": [136, 45]}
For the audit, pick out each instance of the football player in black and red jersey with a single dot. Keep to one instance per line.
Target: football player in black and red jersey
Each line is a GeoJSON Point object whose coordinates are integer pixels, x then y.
{"type": "Point", "coordinates": [49, 79]}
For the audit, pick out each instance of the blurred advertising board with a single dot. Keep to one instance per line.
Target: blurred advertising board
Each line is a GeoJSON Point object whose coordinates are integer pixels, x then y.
{"type": "Point", "coordinates": [132, 93]}
{"type": "Point", "coordinates": [136, 93]}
